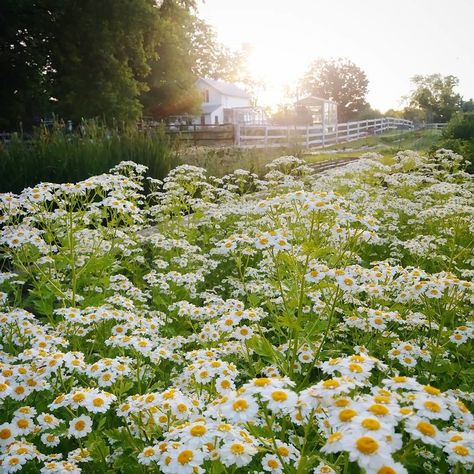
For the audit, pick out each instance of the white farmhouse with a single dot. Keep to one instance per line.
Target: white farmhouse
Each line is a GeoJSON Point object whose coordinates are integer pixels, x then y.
{"type": "Point", "coordinates": [223, 102]}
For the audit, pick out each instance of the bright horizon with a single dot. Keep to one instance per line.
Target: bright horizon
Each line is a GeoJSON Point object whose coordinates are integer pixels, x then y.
{"type": "Point", "coordinates": [391, 42]}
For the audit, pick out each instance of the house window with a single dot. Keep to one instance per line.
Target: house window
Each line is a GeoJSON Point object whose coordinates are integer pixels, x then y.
{"type": "Point", "coordinates": [216, 119]}
{"type": "Point", "coordinates": [205, 96]}
{"type": "Point", "coordinates": [203, 119]}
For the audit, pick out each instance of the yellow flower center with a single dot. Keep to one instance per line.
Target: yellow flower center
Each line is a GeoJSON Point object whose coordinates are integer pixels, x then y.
{"type": "Point", "coordinates": [283, 452]}
{"type": "Point", "coordinates": [386, 470]}
{"type": "Point", "coordinates": [237, 448]}
{"type": "Point", "coordinates": [367, 445]}
{"type": "Point", "coordinates": [78, 397]}
{"type": "Point", "coordinates": [335, 437]}
{"type": "Point", "coordinates": [431, 390]}
{"type": "Point", "coordinates": [279, 396]}
{"type": "Point", "coordinates": [272, 463]}
{"type": "Point", "coordinates": [5, 433]}
{"type": "Point", "coordinates": [331, 384]}
{"type": "Point", "coordinates": [399, 379]}
{"type": "Point", "coordinates": [432, 406]}
{"type": "Point", "coordinates": [426, 428]}
{"type": "Point", "coordinates": [347, 414]}
{"type": "Point", "coordinates": [198, 430]}
{"type": "Point", "coordinates": [356, 368]}
{"type": "Point", "coordinates": [23, 423]}
{"type": "Point", "coordinates": [184, 457]}
{"type": "Point", "coordinates": [379, 410]}
{"type": "Point", "coordinates": [461, 450]}
{"type": "Point", "coordinates": [98, 402]}
{"type": "Point", "coordinates": [80, 425]}
{"type": "Point", "coordinates": [240, 405]}
{"type": "Point", "coordinates": [371, 424]}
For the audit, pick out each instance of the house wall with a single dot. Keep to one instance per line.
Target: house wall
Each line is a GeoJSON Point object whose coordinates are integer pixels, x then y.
{"type": "Point", "coordinates": [215, 97]}
{"type": "Point", "coordinates": [230, 102]}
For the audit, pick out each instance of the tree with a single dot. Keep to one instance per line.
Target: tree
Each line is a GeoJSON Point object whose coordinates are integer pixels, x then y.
{"type": "Point", "coordinates": [101, 54]}
{"type": "Point", "coordinates": [338, 80]}
{"type": "Point", "coordinates": [212, 59]}
{"type": "Point", "coordinates": [468, 106]}
{"type": "Point", "coordinates": [171, 81]}
{"type": "Point", "coordinates": [24, 63]}
{"type": "Point", "coordinates": [78, 58]}
{"type": "Point", "coordinates": [434, 95]}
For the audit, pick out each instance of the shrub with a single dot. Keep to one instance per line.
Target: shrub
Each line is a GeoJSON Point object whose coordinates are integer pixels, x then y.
{"type": "Point", "coordinates": [459, 137]}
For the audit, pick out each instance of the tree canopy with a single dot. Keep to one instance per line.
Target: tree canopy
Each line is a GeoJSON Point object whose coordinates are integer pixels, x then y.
{"type": "Point", "coordinates": [113, 59]}
{"type": "Point", "coordinates": [435, 96]}
{"type": "Point", "coordinates": [339, 80]}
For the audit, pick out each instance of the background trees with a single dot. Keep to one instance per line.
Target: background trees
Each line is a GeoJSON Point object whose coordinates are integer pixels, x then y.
{"type": "Point", "coordinates": [339, 80]}
{"type": "Point", "coordinates": [113, 59]}
{"type": "Point", "coordinates": [101, 54]}
{"type": "Point", "coordinates": [24, 61]}
{"type": "Point", "coordinates": [435, 96]}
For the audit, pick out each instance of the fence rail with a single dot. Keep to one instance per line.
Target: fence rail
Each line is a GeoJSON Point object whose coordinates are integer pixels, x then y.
{"type": "Point", "coordinates": [203, 134]}
{"type": "Point", "coordinates": [267, 136]}
{"type": "Point", "coordinates": [431, 126]}
{"type": "Point", "coordinates": [270, 136]}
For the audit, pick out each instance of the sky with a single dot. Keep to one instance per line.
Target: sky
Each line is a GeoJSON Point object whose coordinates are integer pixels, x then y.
{"type": "Point", "coordinates": [390, 40]}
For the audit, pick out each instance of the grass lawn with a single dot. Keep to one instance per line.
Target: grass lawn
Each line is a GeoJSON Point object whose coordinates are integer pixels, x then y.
{"type": "Point", "coordinates": [386, 144]}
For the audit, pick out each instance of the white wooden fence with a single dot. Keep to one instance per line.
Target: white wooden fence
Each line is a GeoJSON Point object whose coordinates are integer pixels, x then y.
{"type": "Point", "coordinates": [266, 136]}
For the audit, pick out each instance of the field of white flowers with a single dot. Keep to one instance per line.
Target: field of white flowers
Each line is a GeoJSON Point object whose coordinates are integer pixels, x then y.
{"type": "Point", "coordinates": [296, 324]}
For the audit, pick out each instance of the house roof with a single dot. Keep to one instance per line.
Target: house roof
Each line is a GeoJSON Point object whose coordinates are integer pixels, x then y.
{"type": "Point", "coordinates": [209, 108]}
{"type": "Point", "coordinates": [226, 88]}
{"type": "Point", "coordinates": [313, 100]}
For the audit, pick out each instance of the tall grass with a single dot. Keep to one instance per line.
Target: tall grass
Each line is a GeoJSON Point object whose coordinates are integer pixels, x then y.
{"type": "Point", "coordinates": [53, 155]}
{"type": "Point", "coordinates": [219, 161]}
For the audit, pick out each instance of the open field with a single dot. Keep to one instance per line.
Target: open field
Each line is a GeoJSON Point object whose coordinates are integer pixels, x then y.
{"type": "Point", "coordinates": [292, 323]}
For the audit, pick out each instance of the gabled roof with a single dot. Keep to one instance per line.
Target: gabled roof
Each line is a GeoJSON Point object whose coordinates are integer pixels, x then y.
{"type": "Point", "coordinates": [226, 88]}
{"type": "Point", "coordinates": [312, 100]}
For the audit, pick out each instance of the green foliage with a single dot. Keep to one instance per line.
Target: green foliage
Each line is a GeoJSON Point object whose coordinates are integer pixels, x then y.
{"type": "Point", "coordinates": [112, 59]}
{"type": "Point", "coordinates": [171, 80]}
{"type": "Point", "coordinates": [434, 95]}
{"type": "Point", "coordinates": [339, 80]}
{"type": "Point", "coordinates": [459, 137]}
{"type": "Point", "coordinates": [76, 58]}
{"type": "Point", "coordinates": [101, 52]}
{"type": "Point", "coordinates": [56, 156]}
{"type": "Point", "coordinates": [23, 60]}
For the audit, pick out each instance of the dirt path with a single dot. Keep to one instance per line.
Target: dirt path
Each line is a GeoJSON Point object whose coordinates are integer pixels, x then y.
{"type": "Point", "coordinates": [329, 164]}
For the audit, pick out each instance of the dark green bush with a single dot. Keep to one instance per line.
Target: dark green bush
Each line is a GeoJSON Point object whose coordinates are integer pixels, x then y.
{"type": "Point", "coordinates": [54, 155]}
{"type": "Point", "coordinates": [459, 137]}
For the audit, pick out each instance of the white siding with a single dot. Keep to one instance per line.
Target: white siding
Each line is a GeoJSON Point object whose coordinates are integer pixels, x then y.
{"type": "Point", "coordinates": [217, 98]}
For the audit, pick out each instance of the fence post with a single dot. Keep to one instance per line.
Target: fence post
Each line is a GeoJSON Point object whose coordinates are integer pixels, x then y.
{"type": "Point", "coordinates": [266, 136]}
{"type": "Point", "coordinates": [307, 136]}
{"type": "Point", "coordinates": [337, 132]}
{"type": "Point", "coordinates": [237, 134]}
